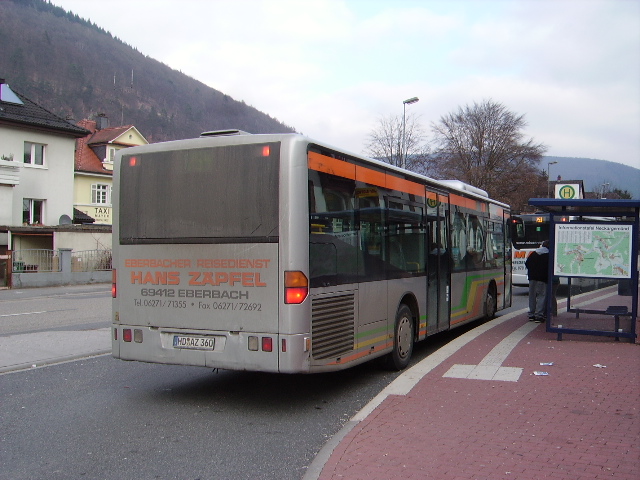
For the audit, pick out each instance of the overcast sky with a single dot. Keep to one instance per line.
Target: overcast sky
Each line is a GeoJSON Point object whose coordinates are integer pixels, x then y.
{"type": "Point", "coordinates": [332, 68]}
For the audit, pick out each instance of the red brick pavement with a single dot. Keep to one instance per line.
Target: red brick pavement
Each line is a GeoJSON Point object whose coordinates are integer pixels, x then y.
{"type": "Point", "coordinates": [579, 422]}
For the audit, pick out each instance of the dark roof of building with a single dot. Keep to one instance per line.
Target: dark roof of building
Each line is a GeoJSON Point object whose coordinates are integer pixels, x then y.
{"type": "Point", "coordinates": [30, 114]}
{"type": "Point", "coordinates": [81, 217]}
{"type": "Point", "coordinates": [108, 135]}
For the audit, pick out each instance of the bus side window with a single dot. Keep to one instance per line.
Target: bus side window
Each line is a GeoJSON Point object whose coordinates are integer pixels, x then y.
{"type": "Point", "coordinates": [407, 234]}
{"type": "Point", "coordinates": [332, 230]}
{"type": "Point", "coordinates": [459, 241]}
{"type": "Point", "coordinates": [495, 244]}
{"type": "Point", "coordinates": [371, 229]}
{"type": "Point", "coordinates": [475, 257]}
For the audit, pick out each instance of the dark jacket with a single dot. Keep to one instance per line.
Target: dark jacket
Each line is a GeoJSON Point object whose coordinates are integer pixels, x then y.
{"type": "Point", "coordinates": [538, 265]}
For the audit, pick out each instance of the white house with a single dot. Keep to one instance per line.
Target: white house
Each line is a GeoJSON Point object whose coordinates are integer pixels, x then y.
{"type": "Point", "coordinates": [36, 172]}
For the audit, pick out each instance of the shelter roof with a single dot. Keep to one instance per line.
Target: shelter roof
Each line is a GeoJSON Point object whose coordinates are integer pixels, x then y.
{"type": "Point", "coordinates": [588, 206]}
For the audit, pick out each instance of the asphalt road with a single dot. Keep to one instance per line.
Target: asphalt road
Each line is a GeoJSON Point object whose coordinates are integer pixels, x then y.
{"type": "Point", "coordinates": [45, 309]}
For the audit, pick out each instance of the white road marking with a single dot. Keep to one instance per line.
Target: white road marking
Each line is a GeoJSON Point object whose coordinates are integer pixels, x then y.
{"type": "Point", "coordinates": [490, 367]}
{"type": "Point", "coordinates": [25, 313]}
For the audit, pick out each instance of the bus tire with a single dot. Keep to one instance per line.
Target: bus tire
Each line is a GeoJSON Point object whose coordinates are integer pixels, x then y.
{"type": "Point", "coordinates": [403, 339]}
{"type": "Point", "coordinates": [491, 302]}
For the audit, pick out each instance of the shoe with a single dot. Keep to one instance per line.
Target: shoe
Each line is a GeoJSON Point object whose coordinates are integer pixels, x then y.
{"type": "Point", "coordinates": [539, 320]}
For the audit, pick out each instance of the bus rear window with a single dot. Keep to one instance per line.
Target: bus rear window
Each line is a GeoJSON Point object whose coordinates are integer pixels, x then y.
{"type": "Point", "coordinates": [208, 195]}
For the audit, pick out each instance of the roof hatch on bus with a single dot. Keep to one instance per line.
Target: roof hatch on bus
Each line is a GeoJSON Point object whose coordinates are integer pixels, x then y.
{"type": "Point", "coordinates": [224, 133]}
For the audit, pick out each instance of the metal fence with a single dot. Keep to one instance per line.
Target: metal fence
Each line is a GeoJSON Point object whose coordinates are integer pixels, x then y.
{"type": "Point", "coordinates": [38, 260]}
{"type": "Point", "coordinates": [91, 261]}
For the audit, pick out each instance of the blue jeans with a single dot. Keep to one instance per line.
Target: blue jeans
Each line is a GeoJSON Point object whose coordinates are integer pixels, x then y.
{"type": "Point", "coordinates": [537, 298]}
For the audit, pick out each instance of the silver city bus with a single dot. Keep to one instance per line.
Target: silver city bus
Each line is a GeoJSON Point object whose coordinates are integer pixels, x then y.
{"type": "Point", "coordinates": [277, 253]}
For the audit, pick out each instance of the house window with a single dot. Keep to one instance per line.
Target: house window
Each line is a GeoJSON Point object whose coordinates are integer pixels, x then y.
{"type": "Point", "coordinates": [34, 153]}
{"type": "Point", "coordinates": [100, 194]}
{"type": "Point", "coordinates": [32, 211]}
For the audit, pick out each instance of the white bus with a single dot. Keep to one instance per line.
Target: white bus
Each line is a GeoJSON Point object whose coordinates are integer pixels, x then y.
{"type": "Point", "coordinates": [528, 231]}
{"type": "Point", "coordinates": [277, 253]}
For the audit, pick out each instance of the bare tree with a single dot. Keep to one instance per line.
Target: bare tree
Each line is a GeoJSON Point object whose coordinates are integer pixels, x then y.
{"type": "Point", "coordinates": [533, 185]}
{"type": "Point", "coordinates": [385, 143]}
{"type": "Point", "coordinates": [607, 190]}
{"type": "Point", "coordinates": [620, 193]}
{"type": "Point", "coordinates": [483, 145]}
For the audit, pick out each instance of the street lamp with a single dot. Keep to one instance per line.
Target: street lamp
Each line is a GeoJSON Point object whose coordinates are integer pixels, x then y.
{"type": "Point", "coordinates": [403, 153]}
{"type": "Point", "coordinates": [549, 179]}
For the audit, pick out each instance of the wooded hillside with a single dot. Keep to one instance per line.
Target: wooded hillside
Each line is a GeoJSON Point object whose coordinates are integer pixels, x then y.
{"type": "Point", "coordinates": [77, 70]}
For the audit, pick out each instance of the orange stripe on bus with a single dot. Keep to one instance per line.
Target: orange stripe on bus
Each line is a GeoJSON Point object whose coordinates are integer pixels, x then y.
{"type": "Point", "coordinates": [395, 183]}
{"type": "Point", "coordinates": [340, 168]}
{"type": "Point", "coordinates": [333, 166]}
{"type": "Point", "coordinates": [369, 176]}
{"type": "Point", "coordinates": [360, 354]}
{"type": "Point", "coordinates": [467, 203]}
{"type": "Point", "coordinates": [325, 164]}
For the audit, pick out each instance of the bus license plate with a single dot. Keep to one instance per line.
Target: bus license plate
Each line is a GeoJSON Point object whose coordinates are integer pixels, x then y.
{"type": "Point", "coordinates": [195, 343]}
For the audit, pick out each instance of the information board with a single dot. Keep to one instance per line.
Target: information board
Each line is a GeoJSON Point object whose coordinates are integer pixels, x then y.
{"type": "Point", "coordinates": [601, 250]}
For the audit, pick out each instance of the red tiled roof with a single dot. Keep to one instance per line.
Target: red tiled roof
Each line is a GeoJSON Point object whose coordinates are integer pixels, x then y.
{"type": "Point", "coordinates": [85, 158]}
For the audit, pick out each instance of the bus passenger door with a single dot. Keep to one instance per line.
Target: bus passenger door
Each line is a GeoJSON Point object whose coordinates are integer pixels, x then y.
{"type": "Point", "coordinates": [438, 263]}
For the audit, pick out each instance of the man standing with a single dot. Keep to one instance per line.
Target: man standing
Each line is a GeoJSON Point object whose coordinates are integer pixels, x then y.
{"type": "Point", "coordinates": [538, 271]}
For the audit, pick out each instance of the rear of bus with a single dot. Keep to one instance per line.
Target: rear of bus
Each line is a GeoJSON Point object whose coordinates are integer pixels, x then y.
{"type": "Point", "coordinates": [200, 276]}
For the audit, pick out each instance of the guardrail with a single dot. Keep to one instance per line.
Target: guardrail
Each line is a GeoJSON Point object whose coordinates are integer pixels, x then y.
{"type": "Point", "coordinates": [46, 268]}
{"type": "Point", "coordinates": [35, 260]}
{"type": "Point", "coordinates": [91, 261]}
{"type": "Point", "coordinates": [41, 260]}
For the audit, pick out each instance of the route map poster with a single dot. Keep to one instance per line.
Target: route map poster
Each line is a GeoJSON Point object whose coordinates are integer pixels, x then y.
{"type": "Point", "coordinates": [593, 250]}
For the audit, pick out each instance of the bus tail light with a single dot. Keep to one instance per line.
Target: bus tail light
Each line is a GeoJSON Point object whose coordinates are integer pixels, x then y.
{"type": "Point", "coordinates": [114, 289]}
{"type": "Point", "coordinates": [127, 335]}
{"type": "Point", "coordinates": [267, 344]}
{"type": "Point", "coordinates": [296, 287]}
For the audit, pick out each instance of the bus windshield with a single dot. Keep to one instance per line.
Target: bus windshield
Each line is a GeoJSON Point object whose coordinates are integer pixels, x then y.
{"type": "Point", "coordinates": [202, 195]}
{"type": "Point", "coordinates": [529, 231]}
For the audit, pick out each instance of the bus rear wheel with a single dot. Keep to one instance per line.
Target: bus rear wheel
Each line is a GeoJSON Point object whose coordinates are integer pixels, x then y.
{"type": "Point", "coordinates": [491, 303]}
{"type": "Point", "coordinates": [403, 336]}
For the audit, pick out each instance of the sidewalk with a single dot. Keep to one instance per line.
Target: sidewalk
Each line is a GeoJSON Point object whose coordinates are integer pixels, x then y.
{"type": "Point", "coordinates": [485, 407]}
{"type": "Point", "coordinates": [31, 350]}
